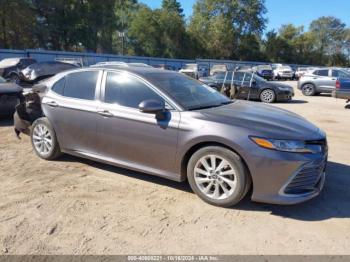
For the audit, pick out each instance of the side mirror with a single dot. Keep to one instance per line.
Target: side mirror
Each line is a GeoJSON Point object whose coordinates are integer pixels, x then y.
{"type": "Point", "coordinates": [254, 83]}
{"type": "Point", "coordinates": [152, 106]}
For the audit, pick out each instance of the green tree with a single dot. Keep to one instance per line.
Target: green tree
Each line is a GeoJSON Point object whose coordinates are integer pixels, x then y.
{"type": "Point", "coordinates": [328, 35]}
{"type": "Point", "coordinates": [172, 6]}
{"type": "Point", "coordinates": [17, 20]}
{"type": "Point", "coordinates": [144, 32]}
{"type": "Point", "coordinates": [219, 26]}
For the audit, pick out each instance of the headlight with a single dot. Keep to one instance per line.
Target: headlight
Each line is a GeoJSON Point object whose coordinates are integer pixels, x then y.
{"type": "Point", "coordinates": [293, 146]}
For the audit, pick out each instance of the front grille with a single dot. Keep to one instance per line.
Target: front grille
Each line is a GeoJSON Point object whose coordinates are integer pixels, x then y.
{"type": "Point", "coordinates": [307, 179]}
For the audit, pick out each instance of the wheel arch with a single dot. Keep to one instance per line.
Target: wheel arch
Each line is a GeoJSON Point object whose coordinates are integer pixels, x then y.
{"type": "Point", "coordinates": [307, 83]}
{"type": "Point", "coordinates": [194, 148]}
{"type": "Point", "coordinates": [268, 87]}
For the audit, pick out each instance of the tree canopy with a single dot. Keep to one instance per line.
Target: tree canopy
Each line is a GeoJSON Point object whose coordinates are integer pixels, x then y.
{"type": "Point", "coordinates": [217, 29]}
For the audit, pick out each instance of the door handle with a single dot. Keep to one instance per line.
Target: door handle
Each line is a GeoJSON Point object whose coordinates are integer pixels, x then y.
{"type": "Point", "coordinates": [105, 113]}
{"type": "Point", "coordinates": [52, 104]}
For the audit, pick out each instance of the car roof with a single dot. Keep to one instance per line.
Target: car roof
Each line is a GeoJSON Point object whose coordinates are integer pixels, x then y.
{"type": "Point", "coordinates": [139, 70]}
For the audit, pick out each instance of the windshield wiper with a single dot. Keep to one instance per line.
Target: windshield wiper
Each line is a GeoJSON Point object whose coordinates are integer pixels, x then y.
{"type": "Point", "coordinates": [210, 106]}
{"type": "Point", "coordinates": [203, 107]}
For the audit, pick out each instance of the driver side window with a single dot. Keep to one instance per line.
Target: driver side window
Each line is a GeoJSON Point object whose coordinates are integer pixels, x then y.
{"type": "Point", "coordinates": [128, 91]}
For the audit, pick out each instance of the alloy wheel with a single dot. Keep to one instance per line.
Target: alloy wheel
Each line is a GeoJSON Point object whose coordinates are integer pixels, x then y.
{"type": "Point", "coordinates": [215, 177]}
{"type": "Point", "coordinates": [267, 96]}
{"type": "Point", "coordinates": [308, 90]}
{"type": "Point", "coordinates": [42, 139]}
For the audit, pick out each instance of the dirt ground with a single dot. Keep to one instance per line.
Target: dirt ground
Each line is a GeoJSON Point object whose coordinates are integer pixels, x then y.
{"type": "Point", "coordinates": [75, 206]}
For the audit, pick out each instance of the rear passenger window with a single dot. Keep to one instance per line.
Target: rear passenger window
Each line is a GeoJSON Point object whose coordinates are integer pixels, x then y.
{"type": "Point", "coordinates": [58, 87]}
{"type": "Point", "coordinates": [321, 72]}
{"type": "Point", "coordinates": [127, 91]}
{"type": "Point", "coordinates": [81, 85]}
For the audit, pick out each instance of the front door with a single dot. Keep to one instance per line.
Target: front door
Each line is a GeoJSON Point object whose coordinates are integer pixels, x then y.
{"type": "Point", "coordinates": [129, 137]}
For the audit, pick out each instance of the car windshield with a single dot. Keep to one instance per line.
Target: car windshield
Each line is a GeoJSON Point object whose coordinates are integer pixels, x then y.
{"type": "Point", "coordinates": [189, 93]}
{"type": "Point", "coordinates": [2, 80]}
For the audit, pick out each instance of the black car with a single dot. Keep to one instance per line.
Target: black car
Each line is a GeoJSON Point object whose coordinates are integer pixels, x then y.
{"type": "Point", "coordinates": [10, 96]}
{"type": "Point", "coordinates": [247, 85]}
{"type": "Point", "coordinates": [10, 67]}
{"type": "Point", "coordinates": [265, 71]}
{"type": "Point", "coordinates": [39, 71]}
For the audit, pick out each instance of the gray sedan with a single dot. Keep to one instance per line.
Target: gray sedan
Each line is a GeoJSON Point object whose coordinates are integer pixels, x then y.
{"type": "Point", "coordinates": [166, 124]}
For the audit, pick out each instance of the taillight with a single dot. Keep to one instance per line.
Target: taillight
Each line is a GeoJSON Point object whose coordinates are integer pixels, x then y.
{"type": "Point", "coordinates": [337, 84]}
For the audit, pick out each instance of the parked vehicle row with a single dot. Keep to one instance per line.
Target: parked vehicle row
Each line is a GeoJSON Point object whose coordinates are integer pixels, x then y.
{"type": "Point", "coordinates": [269, 72]}
{"type": "Point", "coordinates": [166, 124]}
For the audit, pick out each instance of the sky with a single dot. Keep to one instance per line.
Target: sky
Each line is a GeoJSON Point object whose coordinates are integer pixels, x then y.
{"type": "Point", "coordinates": [297, 12]}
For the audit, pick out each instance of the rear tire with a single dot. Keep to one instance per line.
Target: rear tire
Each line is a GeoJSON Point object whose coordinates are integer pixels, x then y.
{"type": "Point", "coordinates": [308, 90]}
{"type": "Point", "coordinates": [44, 139]}
{"type": "Point", "coordinates": [218, 176]}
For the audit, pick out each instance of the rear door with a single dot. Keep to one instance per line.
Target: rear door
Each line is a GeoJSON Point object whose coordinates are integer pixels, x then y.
{"type": "Point", "coordinates": [71, 107]}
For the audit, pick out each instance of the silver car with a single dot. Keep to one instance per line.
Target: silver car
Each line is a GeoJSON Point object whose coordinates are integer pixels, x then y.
{"type": "Point", "coordinates": [166, 124]}
{"type": "Point", "coordinates": [321, 80]}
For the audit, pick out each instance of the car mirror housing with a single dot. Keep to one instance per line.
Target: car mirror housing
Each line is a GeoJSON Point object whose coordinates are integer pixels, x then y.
{"type": "Point", "coordinates": [152, 106]}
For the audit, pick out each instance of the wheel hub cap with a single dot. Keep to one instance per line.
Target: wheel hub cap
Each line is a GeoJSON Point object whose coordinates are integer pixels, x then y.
{"type": "Point", "coordinates": [42, 139]}
{"type": "Point", "coordinates": [215, 177]}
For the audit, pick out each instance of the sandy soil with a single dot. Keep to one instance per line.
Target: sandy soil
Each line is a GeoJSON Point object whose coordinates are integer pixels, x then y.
{"type": "Point", "coordinates": [75, 206]}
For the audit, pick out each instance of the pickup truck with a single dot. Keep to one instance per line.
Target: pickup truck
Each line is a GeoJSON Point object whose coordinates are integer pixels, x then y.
{"type": "Point", "coordinates": [342, 89]}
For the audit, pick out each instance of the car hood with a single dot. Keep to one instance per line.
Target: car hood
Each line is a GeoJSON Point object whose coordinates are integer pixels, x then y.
{"type": "Point", "coordinates": [264, 120]}
{"type": "Point", "coordinates": [9, 88]}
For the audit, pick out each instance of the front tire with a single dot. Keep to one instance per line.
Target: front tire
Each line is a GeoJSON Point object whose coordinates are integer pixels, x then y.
{"type": "Point", "coordinates": [267, 96]}
{"type": "Point", "coordinates": [218, 176]}
{"type": "Point", "coordinates": [44, 139]}
{"type": "Point", "coordinates": [308, 90]}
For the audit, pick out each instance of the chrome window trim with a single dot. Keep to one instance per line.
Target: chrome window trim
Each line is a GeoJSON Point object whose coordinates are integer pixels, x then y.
{"type": "Point", "coordinates": [97, 86]}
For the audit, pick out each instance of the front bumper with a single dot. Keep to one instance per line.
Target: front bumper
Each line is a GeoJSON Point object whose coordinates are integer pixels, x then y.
{"type": "Point", "coordinates": [287, 178]}
{"type": "Point", "coordinates": [285, 95]}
